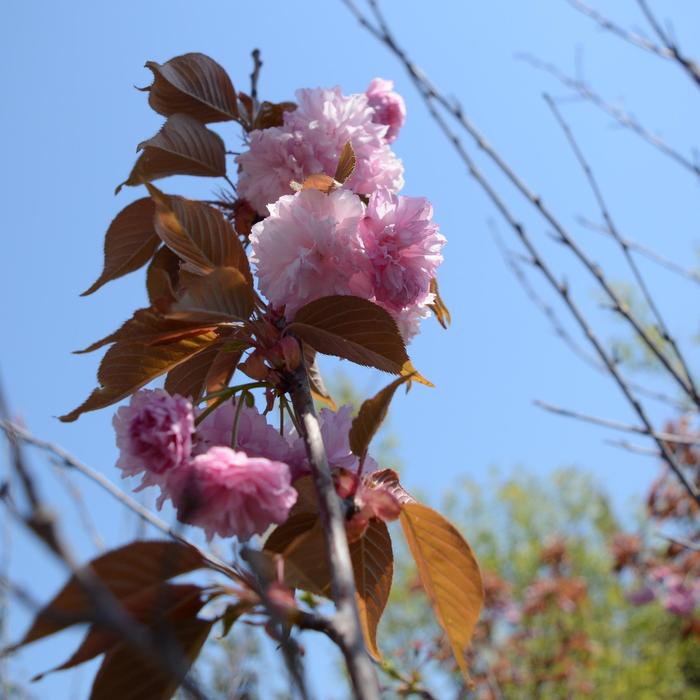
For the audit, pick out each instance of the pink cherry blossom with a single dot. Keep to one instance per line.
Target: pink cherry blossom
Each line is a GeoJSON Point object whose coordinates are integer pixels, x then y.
{"type": "Point", "coordinates": [309, 247]}
{"type": "Point", "coordinates": [335, 431]}
{"type": "Point", "coordinates": [404, 247]}
{"type": "Point", "coordinates": [154, 435]}
{"type": "Point", "coordinates": [254, 436]}
{"type": "Point", "coordinates": [310, 141]}
{"type": "Point", "coordinates": [389, 107]}
{"type": "Point", "coordinates": [641, 596]}
{"type": "Point", "coordinates": [228, 493]}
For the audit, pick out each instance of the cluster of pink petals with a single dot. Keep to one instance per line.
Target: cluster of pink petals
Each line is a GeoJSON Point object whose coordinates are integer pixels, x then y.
{"type": "Point", "coordinates": [309, 247]}
{"type": "Point", "coordinates": [229, 493]}
{"type": "Point", "coordinates": [225, 492]}
{"type": "Point", "coordinates": [389, 107]}
{"type": "Point", "coordinates": [675, 593]}
{"type": "Point", "coordinates": [154, 435]}
{"type": "Point", "coordinates": [314, 245]}
{"type": "Point", "coordinates": [310, 141]}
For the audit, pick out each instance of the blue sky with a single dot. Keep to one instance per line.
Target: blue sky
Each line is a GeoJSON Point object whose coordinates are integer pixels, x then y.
{"type": "Point", "coordinates": [71, 120]}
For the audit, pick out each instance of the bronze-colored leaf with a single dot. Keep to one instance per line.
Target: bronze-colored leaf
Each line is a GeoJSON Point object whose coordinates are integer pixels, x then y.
{"type": "Point", "coordinates": [319, 181]}
{"type": "Point", "coordinates": [272, 114]}
{"type": "Point", "coordinates": [346, 164]}
{"type": "Point", "coordinates": [130, 242]}
{"type": "Point", "coordinates": [192, 84]}
{"type": "Point", "coordinates": [206, 372]}
{"type": "Point", "coordinates": [371, 416]}
{"type": "Point", "coordinates": [283, 535]}
{"type": "Point", "coordinates": [222, 295]}
{"type": "Point", "coordinates": [373, 565]}
{"type": "Point", "coordinates": [128, 674]}
{"type": "Point", "coordinates": [156, 607]}
{"type": "Point", "coordinates": [442, 313]}
{"type": "Point", "coordinates": [318, 386]}
{"type": "Point", "coordinates": [130, 365]}
{"type": "Point", "coordinates": [162, 278]}
{"type": "Point", "coordinates": [125, 571]}
{"type": "Point", "coordinates": [354, 329]}
{"type": "Point", "coordinates": [183, 146]}
{"type": "Point", "coordinates": [388, 479]}
{"type": "Point", "coordinates": [150, 328]}
{"type": "Point", "coordinates": [449, 574]}
{"type": "Point", "coordinates": [301, 542]}
{"type": "Point", "coordinates": [199, 234]}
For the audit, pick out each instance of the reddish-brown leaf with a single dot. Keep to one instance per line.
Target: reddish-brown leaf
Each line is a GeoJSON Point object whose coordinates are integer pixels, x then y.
{"type": "Point", "coordinates": [206, 372]}
{"type": "Point", "coordinates": [222, 295]}
{"type": "Point", "coordinates": [449, 574]}
{"type": "Point", "coordinates": [438, 307]}
{"type": "Point", "coordinates": [354, 329]}
{"type": "Point", "coordinates": [183, 146]}
{"type": "Point", "coordinates": [318, 386]}
{"type": "Point", "coordinates": [192, 84]}
{"type": "Point", "coordinates": [199, 234]}
{"type": "Point", "coordinates": [272, 114]}
{"type": "Point", "coordinates": [130, 242]}
{"type": "Point", "coordinates": [130, 365]}
{"type": "Point", "coordinates": [151, 328]}
{"type": "Point", "coordinates": [128, 674]}
{"type": "Point", "coordinates": [373, 565]}
{"type": "Point", "coordinates": [346, 163]}
{"type": "Point", "coordinates": [388, 479]}
{"type": "Point", "coordinates": [162, 278]}
{"type": "Point", "coordinates": [301, 542]}
{"type": "Point", "coordinates": [126, 571]}
{"type": "Point", "coordinates": [319, 181]}
{"type": "Point", "coordinates": [371, 416]}
{"type": "Point", "coordinates": [155, 607]}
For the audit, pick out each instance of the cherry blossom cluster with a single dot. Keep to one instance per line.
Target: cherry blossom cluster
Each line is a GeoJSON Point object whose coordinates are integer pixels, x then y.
{"type": "Point", "coordinates": [362, 239]}
{"type": "Point", "coordinates": [233, 474]}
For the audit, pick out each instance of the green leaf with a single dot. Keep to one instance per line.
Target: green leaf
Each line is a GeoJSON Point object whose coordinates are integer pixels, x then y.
{"type": "Point", "coordinates": [371, 416]}
{"type": "Point", "coordinates": [130, 365]}
{"type": "Point", "coordinates": [183, 146]}
{"type": "Point", "coordinates": [199, 234]}
{"type": "Point", "coordinates": [130, 242]}
{"type": "Point", "coordinates": [354, 329]}
{"type": "Point", "coordinates": [192, 84]}
{"type": "Point", "coordinates": [126, 571]}
{"type": "Point", "coordinates": [448, 572]}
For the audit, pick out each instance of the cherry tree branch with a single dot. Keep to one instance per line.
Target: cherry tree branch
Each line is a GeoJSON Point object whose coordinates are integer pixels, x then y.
{"type": "Point", "coordinates": [346, 622]}
{"type": "Point", "coordinates": [436, 101]}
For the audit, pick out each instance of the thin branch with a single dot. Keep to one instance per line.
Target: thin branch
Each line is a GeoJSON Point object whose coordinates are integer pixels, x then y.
{"type": "Point", "coordinates": [431, 96]}
{"type": "Point", "coordinates": [644, 250]}
{"type": "Point", "coordinates": [607, 217]}
{"type": "Point", "coordinates": [616, 425]}
{"type": "Point", "coordinates": [637, 449]}
{"type": "Point", "coordinates": [346, 622]}
{"type": "Point", "coordinates": [622, 117]}
{"type": "Point", "coordinates": [688, 64]}
{"type": "Point", "coordinates": [14, 431]}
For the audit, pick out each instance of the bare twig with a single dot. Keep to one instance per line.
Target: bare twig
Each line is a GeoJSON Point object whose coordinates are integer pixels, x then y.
{"type": "Point", "coordinates": [666, 335]}
{"type": "Point", "coordinates": [647, 252]}
{"type": "Point", "coordinates": [254, 77]}
{"type": "Point", "coordinates": [637, 449]}
{"type": "Point", "coordinates": [346, 622]}
{"type": "Point", "coordinates": [12, 429]}
{"type": "Point", "coordinates": [622, 117]}
{"type": "Point", "coordinates": [433, 98]}
{"type": "Point", "coordinates": [616, 425]}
